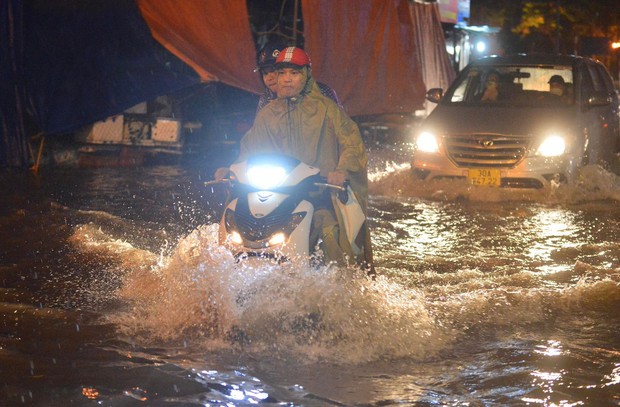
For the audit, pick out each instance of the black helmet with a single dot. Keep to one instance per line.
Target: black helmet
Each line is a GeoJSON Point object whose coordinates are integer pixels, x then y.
{"type": "Point", "coordinates": [266, 57]}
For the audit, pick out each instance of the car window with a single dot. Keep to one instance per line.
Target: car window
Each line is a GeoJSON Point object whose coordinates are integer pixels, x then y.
{"type": "Point", "coordinates": [586, 81]}
{"type": "Point", "coordinates": [513, 85]}
{"type": "Point", "coordinates": [597, 82]}
{"type": "Point", "coordinates": [605, 78]}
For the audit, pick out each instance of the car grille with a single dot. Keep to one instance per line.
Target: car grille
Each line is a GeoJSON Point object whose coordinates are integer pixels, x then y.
{"type": "Point", "coordinates": [486, 150]}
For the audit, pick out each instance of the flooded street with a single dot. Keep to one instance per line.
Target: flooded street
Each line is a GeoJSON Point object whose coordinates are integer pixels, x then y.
{"type": "Point", "coordinates": [113, 292]}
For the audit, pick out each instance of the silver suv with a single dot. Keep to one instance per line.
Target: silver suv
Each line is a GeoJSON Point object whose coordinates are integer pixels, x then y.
{"type": "Point", "coordinates": [520, 121]}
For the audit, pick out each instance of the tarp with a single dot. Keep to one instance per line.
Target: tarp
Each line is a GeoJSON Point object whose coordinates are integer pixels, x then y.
{"type": "Point", "coordinates": [69, 63]}
{"type": "Point", "coordinates": [13, 147]}
{"type": "Point", "coordinates": [213, 37]}
{"type": "Point", "coordinates": [430, 45]}
{"type": "Point", "coordinates": [366, 51]}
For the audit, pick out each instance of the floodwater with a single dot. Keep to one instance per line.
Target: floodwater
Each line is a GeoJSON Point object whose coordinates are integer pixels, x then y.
{"type": "Point", "coordinates": [113, 292]}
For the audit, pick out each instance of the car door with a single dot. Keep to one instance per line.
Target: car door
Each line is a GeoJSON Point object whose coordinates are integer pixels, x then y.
{"type": "Point", "coordinates": [599, 120]}
{"type": "Point", "coordinates": [614, 118]}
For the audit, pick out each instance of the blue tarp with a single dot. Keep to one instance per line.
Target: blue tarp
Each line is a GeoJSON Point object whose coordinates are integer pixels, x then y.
{"type": "Point", "coordinates": [68, 63]}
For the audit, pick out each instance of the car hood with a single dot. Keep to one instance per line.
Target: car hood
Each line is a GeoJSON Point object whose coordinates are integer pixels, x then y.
{"type": "Point", "coordinates": [499, 120]}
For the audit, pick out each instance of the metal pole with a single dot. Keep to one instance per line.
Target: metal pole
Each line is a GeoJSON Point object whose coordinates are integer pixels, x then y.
{"type": "Point", "coordinates": [295, 11]}
{"type": "Point", "coordinates": [557, 27]}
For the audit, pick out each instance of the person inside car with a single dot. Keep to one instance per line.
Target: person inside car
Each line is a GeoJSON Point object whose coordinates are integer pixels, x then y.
{"type": "Point", "coordinates": [491, 88]}
{"type": "Point", "coordinates": [559, 89]}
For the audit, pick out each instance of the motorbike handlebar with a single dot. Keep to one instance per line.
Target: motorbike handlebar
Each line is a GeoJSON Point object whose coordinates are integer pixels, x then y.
{"type": "Point", "coordinates": [332, 186]}
{"type": "Point", "coordinates": [341, 190]}
{"type": "Point", "coordinates": [215, 182]}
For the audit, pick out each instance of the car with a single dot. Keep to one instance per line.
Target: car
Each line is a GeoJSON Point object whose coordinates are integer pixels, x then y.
{"type": "Point", "coordinates": [520, 132]}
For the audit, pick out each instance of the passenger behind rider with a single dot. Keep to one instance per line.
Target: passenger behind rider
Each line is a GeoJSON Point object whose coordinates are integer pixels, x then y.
{"type": "Point", "coordinates": [265, 60]}
{"type": "Point", "coordinates": [305, 124]}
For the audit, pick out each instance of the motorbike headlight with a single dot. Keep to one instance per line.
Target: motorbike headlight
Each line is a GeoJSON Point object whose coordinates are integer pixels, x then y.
{"type": "Point", "coordinates": [235, 237]}
{"type": "Point", "coordinates": [427, 142]}
{"type": "Point", "coordinates": [277, 238]}
{"type": "Point", "coordinates": [552, 146]}
{"type": "Point", "coordinates": [266, 176]}
{"type": "Point", "coordinates": [288, 228]}
{"type": "Point", "coordinates": [232, 236]}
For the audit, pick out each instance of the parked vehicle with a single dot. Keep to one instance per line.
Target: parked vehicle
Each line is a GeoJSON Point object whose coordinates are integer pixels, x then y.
{"type": "Point", "coordinates": [520, 132]}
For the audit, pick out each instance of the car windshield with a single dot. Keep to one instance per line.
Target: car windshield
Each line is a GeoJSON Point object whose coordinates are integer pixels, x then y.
{"type": "Point", "coordinates": [514, 85]}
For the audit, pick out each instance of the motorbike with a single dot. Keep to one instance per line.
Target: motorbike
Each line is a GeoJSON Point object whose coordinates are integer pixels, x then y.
{"type": "Point", "coordinates": [272, 200]}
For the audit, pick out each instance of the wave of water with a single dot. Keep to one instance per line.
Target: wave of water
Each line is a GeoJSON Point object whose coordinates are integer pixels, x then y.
{"type": "Point", "coordinates": [199, 294]}
{"type": "Point", "coordinates": [395, 179]}
{"type": "Point", "coordinates": [193, 289]}
{"type": "Point", "coordinates": [321, 312]}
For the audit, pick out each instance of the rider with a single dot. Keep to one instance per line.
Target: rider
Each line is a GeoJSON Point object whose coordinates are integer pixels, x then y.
{"type": "Point", "coordinates": [305, 124]}
{"type": "Point", "coordinates": [265, 61]}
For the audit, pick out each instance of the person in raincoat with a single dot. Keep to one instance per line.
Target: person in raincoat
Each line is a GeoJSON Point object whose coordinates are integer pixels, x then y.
{"type": "Point", "coordinates": [307, 125]}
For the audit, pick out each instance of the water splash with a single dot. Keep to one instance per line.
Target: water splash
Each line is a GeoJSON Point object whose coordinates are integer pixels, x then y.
{"type": "Point", "coordinates": [193, 291]}
{"type": "Point", "coordinates": [199, 293]}
{"type": "Point", "coordinates": [395, 179]}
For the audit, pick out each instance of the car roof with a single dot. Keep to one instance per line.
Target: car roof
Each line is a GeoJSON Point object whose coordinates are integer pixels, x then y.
{"type": "Point", "coordinates": [530, 59]}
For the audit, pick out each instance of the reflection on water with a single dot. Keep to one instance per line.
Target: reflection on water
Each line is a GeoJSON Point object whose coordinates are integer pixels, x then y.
{"type": "Point", "coordinates": [115, 291]}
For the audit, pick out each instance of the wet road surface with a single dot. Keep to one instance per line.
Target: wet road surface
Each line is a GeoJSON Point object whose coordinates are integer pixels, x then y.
{"type": "Point", "coordinates": [114, 292]}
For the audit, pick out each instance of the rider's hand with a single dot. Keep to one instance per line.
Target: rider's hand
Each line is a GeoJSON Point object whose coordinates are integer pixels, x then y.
{"type": "Point", "coordinates": [336, 178]}
{"type": "Point", "coordinates": [221, 173]}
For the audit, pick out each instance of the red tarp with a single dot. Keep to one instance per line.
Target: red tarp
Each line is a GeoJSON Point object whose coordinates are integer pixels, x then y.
{"type": "Point", "coordinates": [213, 37]}
{"type": "Point", "coordinates": [376, 54]}
{"type": "Point", "coordinates": [366, 51]}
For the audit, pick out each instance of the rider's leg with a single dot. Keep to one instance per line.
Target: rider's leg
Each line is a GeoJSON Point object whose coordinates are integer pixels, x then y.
{"type": "Point", "coordinates": [325, 223]}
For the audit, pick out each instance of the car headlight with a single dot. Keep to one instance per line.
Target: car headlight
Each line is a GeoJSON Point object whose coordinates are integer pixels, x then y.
{"type": "Point", "coordinates": [552, 146]}
{"type": "Point", "coordinates": [427, 142]}
{"type": "Point", "coordinates": [266, 176]}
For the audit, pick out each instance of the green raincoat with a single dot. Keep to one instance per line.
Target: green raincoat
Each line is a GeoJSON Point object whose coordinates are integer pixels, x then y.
{"type": "Point", "coordinates": [313, 129]}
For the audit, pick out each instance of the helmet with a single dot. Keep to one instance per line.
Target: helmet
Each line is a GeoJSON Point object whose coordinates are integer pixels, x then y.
{"type": "Point", "coordinates": [293, 56]}
{"type": "Point", "coordinates": [267, 55]}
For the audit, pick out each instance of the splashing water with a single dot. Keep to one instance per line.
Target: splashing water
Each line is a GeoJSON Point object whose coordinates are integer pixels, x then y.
{"type": "Point", "coordinates": [594, 184]}
{"type": "Point", "coordinates": [198, 292]}
{"type": "Point", "coordinates": [324, 313]}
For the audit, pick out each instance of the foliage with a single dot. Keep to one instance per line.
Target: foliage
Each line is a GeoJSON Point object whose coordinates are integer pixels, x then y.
{"type": "Point", "coordinates": [545, 26]}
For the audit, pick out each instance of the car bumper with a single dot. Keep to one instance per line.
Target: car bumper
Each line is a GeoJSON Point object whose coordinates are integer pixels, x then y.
{"type": "Point", "coordinates": [533, 172]}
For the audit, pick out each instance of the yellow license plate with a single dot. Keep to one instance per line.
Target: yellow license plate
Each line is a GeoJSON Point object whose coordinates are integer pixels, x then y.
{"type": "Point", "coordinates": [484, 177]}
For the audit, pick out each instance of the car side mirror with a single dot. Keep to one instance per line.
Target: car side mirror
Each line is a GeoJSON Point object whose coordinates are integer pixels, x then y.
{"type": "Point", "coordinates": [597, 99]}
{"type": "Point", "coordinates": [434, 95]}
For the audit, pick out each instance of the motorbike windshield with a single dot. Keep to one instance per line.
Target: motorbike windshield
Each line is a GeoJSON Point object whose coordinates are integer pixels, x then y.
{"type": "Point", "coordinates": [514, 86]}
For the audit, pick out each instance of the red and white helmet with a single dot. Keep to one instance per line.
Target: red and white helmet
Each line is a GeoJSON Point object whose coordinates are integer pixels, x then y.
{"type": "Point", "coordinates": [293, 56]}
